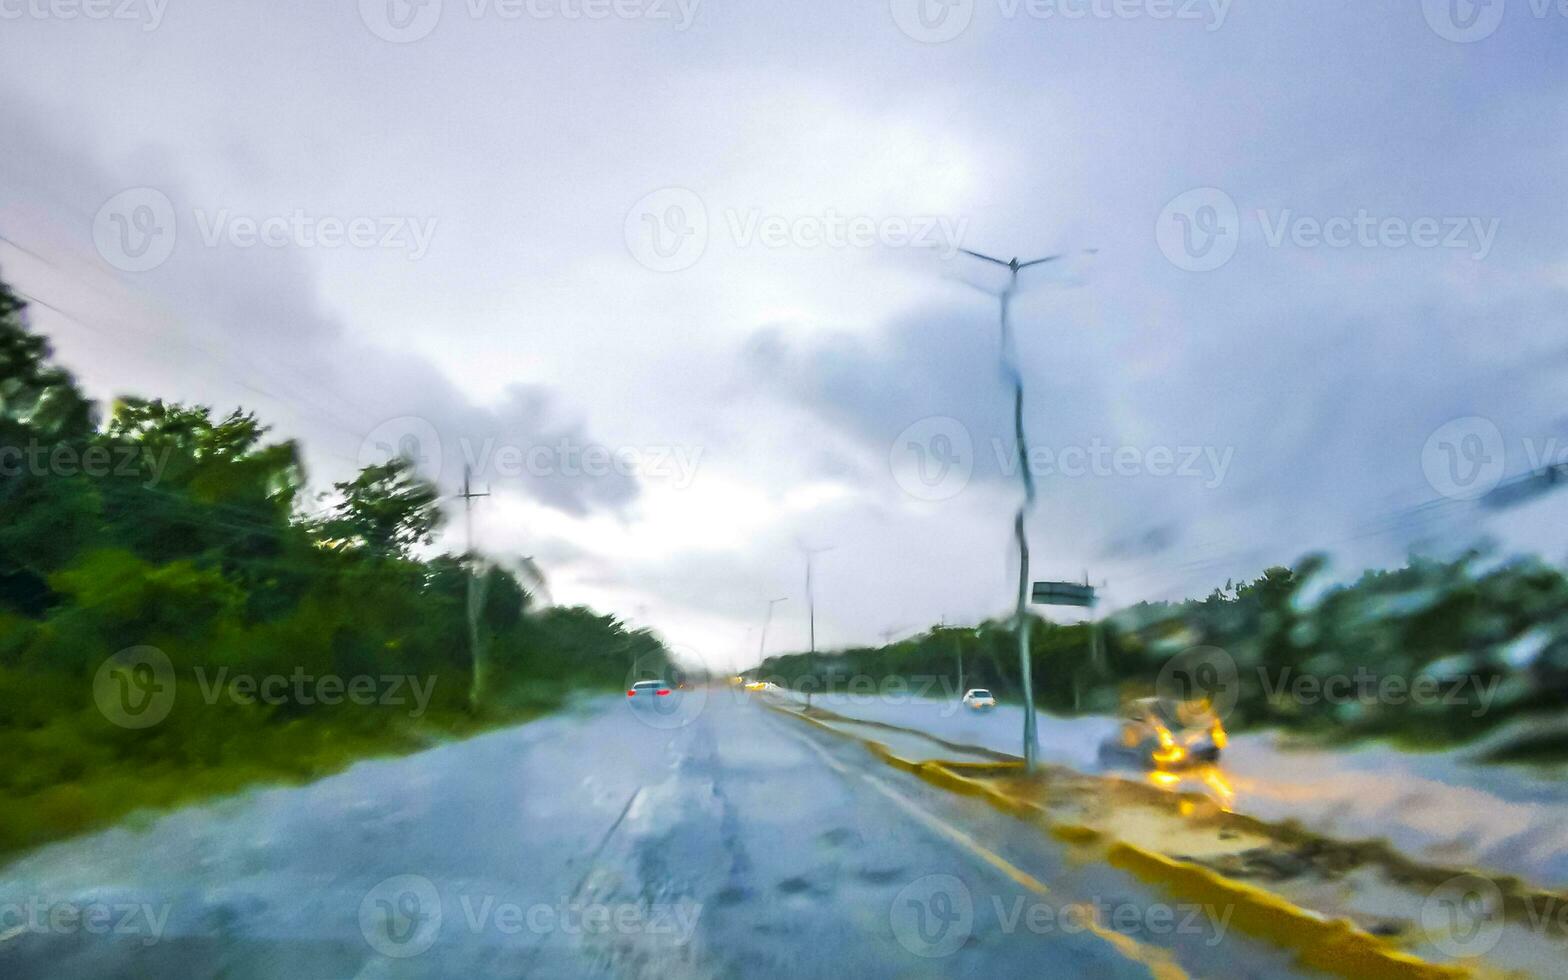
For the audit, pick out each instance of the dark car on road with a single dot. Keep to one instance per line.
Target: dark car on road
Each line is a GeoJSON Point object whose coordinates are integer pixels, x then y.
{"type": "Point", "coordinates": [1158, 733]}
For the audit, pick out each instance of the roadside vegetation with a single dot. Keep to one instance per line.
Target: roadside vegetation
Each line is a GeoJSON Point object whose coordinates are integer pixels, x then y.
{"type": "Point", "coordinates": [178, 620]}
{"type": "Point", "coordinates": [1434, 654]}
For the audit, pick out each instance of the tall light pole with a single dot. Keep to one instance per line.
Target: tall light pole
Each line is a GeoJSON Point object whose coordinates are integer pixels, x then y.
{"type": "Point", "coordinates": [811, 614]}
{"type": "Point", "coordinates": [762, 644]}
{"type": "Point", "coordinates": [1011, 370]}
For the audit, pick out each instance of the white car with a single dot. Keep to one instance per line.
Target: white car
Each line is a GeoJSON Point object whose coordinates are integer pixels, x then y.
{"type": "Point", "coordinates": [658, 695]}
{"type": "Point", "coordinates": [979, 699]}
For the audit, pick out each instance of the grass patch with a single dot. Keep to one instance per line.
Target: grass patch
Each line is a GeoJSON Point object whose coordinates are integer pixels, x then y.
{"type": "Point", "coordinates": [77, 773]}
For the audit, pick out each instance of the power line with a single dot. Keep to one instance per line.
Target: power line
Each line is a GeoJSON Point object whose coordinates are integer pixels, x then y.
{"type": "Point", "coordinates": [26, 251]}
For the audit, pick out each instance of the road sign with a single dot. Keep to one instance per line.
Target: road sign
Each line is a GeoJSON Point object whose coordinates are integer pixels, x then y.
{"type": "Point", "coordinates": [1063, 594]}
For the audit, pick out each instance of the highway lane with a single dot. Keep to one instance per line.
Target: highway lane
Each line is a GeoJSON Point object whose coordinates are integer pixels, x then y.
{"type": "Point", "coordinates": [720, 839]}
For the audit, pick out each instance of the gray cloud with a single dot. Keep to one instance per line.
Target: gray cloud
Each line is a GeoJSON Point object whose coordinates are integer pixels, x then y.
{"type": "Point", "coordinates": [529, 321]}
{"type": "Point", "coordinates": [244, 327]}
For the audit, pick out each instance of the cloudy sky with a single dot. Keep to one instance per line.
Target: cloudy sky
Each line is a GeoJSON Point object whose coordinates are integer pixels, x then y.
{"type": "Point", "coordinates": [678, 277]}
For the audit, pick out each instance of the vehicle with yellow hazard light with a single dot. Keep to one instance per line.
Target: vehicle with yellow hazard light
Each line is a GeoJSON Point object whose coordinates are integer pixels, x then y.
{"type": "Point", "coordinates": [1159, 733]}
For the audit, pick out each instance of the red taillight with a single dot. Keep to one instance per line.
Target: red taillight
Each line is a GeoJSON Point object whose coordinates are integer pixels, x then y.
{"type": "Point", "coordinates": [631, 694]}
{"type": "Point", "coordinates": [663, 691]}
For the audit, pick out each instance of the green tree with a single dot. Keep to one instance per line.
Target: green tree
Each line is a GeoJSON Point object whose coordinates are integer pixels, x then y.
{"type": "Point", "coordinates": [386, 511]}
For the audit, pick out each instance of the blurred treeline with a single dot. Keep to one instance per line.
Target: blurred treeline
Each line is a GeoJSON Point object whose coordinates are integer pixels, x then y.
{"type": "Point", "coordinates": [1491, 636]}
{"type": "Point", "coordinates": [170, 526]}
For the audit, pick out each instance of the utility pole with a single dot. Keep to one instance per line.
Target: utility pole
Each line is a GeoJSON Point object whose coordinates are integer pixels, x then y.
{"type": "Point", "coordinates": [958, 646]}
{"type": "Point", "coordinates": [1014, 374]}
{"type": "Point", "coordinates": [811, 616]}
{"type": "Point", "coordinates": [958, 651]}
{"type": "Point", "coordinates": [476, 685]}
{"type": "Point", "coordinates": [1096, 639]}
{"type": "Point", "coordinates": [888, 634]}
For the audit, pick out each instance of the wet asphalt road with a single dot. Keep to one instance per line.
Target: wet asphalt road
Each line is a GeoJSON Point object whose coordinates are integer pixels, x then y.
{"type": "Point", "coordinates": [712, 838]}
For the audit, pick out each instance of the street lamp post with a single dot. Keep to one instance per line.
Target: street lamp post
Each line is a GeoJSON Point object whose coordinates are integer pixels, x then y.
{"type": "Point", "coordinates": [811, 614]}
{"type": "Point", "coordinates": [762, 644]}
{"type": "Point", "coordinates": [1011, 370]}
